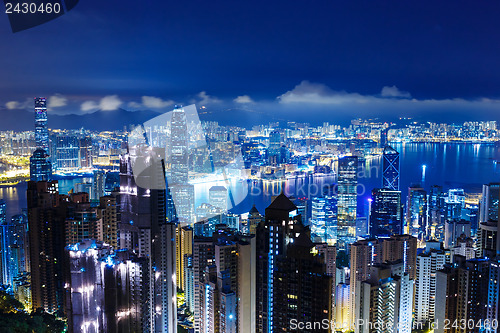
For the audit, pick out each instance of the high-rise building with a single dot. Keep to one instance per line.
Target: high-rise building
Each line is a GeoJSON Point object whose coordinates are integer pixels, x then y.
{"type": "Point", "coordinates": [149, 216]}
{"type": "Point", "coordinates": [274, 151]}
{"type": "Point", "coordinates": [81, 223]}
{"type": "Point", "coordinates": [246, 290]}
{"type": "Point", "coordinates": [85, 153]}
{"type": "Point", "coordinates": [390, 165]}
{"type": "Point", "coordinates": [41, 129]}
{"type": "Point", "coordinates": [108, 214]}
{"type": "Point", "coordinates": [47, 214]}
{"type": "Point", "coordinates": [66, 155]}
{"type": "Point", "coordinates": [14, 248]}
{"type": "Point", "coordinates": [203, 256]}
{"type": "Point", "coordinates": [184, 243]}
{"type": "Point", "coordinates": [488, 235]}
{"type": "Point", "coordinates": [428, 264]}
{"type": "Point", "coordinates": [347, 201]}
{"type": "Point", "coordinates": [217, 196]}
{"type": "Point", "coordinates": [98, 185]}
{"type": "Point", "coordinates": [40, 166]}
{"type": "Point", "coordinates": [108, 291]}
{"type": "Point", "coordinates": [416, 212]}
{"type": "Point", "coordinates": [324, 220]}
{"type": "Point", "coordinates": [385, 299]}
{"type": "Point", "coordinates": [386, 216]}
{"type": "Point", "coordinates": [179, 153]}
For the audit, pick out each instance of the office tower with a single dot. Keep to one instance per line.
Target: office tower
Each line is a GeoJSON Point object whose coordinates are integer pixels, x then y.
{"type": "Point", "coordinates": [41, 129]}
{"type": "Point", "coordinates": [108, 291]}
{"type": "Point", "coordinates": [98, 184]}
{"type": "Point", "coordinates": [14, 245]}
{"type": "Point", "coordinates": [274, 150]}
{"type": "Point", "coordinates": [81, 224]}
{"type": "Point", "coordinates": [428, 264]}
{"type": "Point", "coordinates": [347, 201]}
{"type": "Point", "coordinates": [150, 217]}
{"type": "Point", "coordinates": [386, 216]}
{"type": "Point", "coordinates": [184, 243]}
{"type": "Point", "coordinates": [218, 197]}
{"type": "Point", "coordinates": [3, 249]}
{"type": "Point", "coordinates": [46, 220]}
{"type": "Point", "coordinates": [254, 218]}
{"type": "Point", "coordinates": [183, 196]}
{"type": "Point", "coordinates": [108, 214]}
{"type": "Point", "coordinates": [203, 256]}
{"type": "Point", "coordinates": [247, 291]}
{"type": "Point", "coordinates": [40, 166]}
{"type": "Point", "coordinates": [232, 221]}
{"type": "Point", "coordinates": [436, 212]}
{"type": "Point", "coordinates": [179, 152]}
{"type": "Point", "coordinates": [416, 212]}
{"type": "Point", "coordinates": [390, 166]}
{"type": "Point", "coordinates": [385, 300]}
{"type": "Point", "coordinates": [273, 237]}
{"type": "Point", "coordinates": [85, 145]}
{"type": "Point", "coordinates": [66, 155]}
{"type": "Point", "coordinates": [488, 235]}
{"type": "Point", "coordinates": [302, 287]}
{"type": "Point", "coordinates": [455, 229]}
{"type": "Point", "coordinates": [342, 314]}
{"type": "Point", "coordinates": [324, 220]}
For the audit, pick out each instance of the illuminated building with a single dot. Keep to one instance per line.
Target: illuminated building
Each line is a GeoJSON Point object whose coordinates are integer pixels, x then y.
{"type": "Point", "coordinates": [14, 245]}
{"type": "Point", "coordinates": [218, 196]}
{"type": "Point", "coordinates": [324, 219]}
{"type": "Point", "coordinates": [41, 130]}
{"type": "Point", "coordinates": [179, 148]}
{"type": "Point", "coordinates": [66, 157]}
{"type": "Point", "coordinates": [386, 216]}
{"type": "Point", "coordinates": [385, 298]}
{"type": "Point", "coordinates": [81, 224]}
{"type": "Point", "coordinates": [416, 212]}
{"type": "Point", "coordinates": [184, 243]}
{"type": "Point", "coordinates": [108, 214]}
{"type": "Point", "coordinates": [390, 165]}
{"type": "Point", "coordinates": [47, 214]}
{"type": "Point", "coordinates": [488, 235]}
{"type": "Point", "coordinates": [347, 201]}
{"type": "Point", "coordinates": [98, 185]}
{"type": "Point", "coordinates": [40, 166]}
{"type": "Point", "coordinates": [428, 264]}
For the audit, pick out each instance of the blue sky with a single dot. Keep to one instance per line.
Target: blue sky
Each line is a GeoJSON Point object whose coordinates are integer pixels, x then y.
{"type": "Point", "coordinates": [329, 58]}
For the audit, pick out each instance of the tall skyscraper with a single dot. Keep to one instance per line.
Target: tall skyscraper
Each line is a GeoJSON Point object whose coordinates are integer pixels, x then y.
{"type": "Point", "coordinates": [324, 220]}
{"type": "Point", "coordinates": [347, 201]}
{"type": "Point", "coordinates": [108, 214]}
{"type": "Point", "coordinates": [14, 247]}
{"type": "Point", "coordinates": [149, 215]}
{"type": "Point", "coordinates": [416, 213]}
{"type": "Point", "coordinates": [184, 243]}
{"type": "Point", "coordinates": [40, 166]}
{"type": "Point", "coordinates": [217, 197]}
{"type": "Point", "coordinates": [386, 216]}
{"type": "Point", "coordinates": [98, 185]}
{"type": "Point", "coordinates": [428, 264]}
{"type": "Point", "coordinates": [179, 148]}
{"type": "Point", "coordinates": [390, 172]}
{"type": "Point", "coordinates": [41, 129]}
{"type": "Point", "coordinates": [488, 235]}
{"type": "Point", "coordinates": [46, 219]}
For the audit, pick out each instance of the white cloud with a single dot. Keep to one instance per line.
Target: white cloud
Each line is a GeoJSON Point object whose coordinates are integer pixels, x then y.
{"type": "Point", "coordinates": [244, 99]}
{"type": "Point", "coordinates": [107, 103]}
{"type": "Point", "coordinates": [394, 92]}
{"type": "Point", "coordinates": [13, 105]}
{"type": "Point", "coordinates": [89, 106]}
{"type": "Point", "coordinates": [155, 102]}
{"type": "Point", "coordinates": [317, 93]}
{"type": "Point", "coordinates": [205, 99]}
{"type": "Point", "coordinates": [57, 101]}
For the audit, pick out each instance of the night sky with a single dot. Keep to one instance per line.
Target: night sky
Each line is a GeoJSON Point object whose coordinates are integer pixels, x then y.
{"type": "Point", "coordinates": [333, 59]}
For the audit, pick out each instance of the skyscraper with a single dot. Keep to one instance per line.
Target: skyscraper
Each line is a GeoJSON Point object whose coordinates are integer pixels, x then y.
{"type": "Point", "coordinates": [14, 247]}
{"type": "Point", "coordinates": [347, 201]}
{"type": "Point", "coordinates": [386, 216]}
{"type": "Point", "coordinates": [324, 220]}
{"type": "Point", "coordinates": [40, 166]}
{"type": "Point", "coordinates": [416, 212]}
{"type": "Point", "coordinates": [390, 165]}
{"type": "Point", "coordinates": [46, 218]}
{"type": "Point", "coordinates": [41, 130]}
{"type": "Point", "coordinates": [217, 196]}
{"type": "Point", "coordinates": [179, 147]}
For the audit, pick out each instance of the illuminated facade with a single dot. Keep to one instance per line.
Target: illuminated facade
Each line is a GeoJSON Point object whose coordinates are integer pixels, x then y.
{"type": "Point", "coordinates": [347, 201]}
{"type": "Point", "coordinates": [41, 129]}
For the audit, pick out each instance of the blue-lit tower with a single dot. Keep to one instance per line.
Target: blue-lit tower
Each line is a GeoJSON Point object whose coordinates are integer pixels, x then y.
{"type": "Point", "coordinates": [41, 130]}
{"type": "Point", "coordinates": [390, 171]}
{"type": "Point", "coordinates": [40, 166]}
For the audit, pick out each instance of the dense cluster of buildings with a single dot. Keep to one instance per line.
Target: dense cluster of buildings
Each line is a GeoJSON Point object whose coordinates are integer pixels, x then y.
{"type": "Point", "coordinates": [145, 259]}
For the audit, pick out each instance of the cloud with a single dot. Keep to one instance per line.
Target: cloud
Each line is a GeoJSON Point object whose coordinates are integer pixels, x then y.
{"type": "Point", "coordinates": [244, 99]}
{"type": "Point", "coordinates": [12, 105]}
{"type": "Point", "coordinates": [107, 103]}
{"type": "Point", "coordinates": [57, 101]}
{"type": "Point", "coordinates": [394, 92]}
{"type": "Point", "coordinates": [155, 102]}
{"type": "Point", "coordinates": [317, 93]}
{"type": "Point", "coordinates": [204, 99]}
